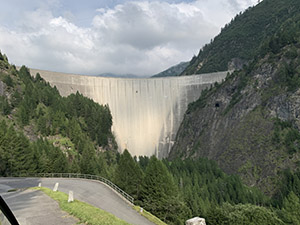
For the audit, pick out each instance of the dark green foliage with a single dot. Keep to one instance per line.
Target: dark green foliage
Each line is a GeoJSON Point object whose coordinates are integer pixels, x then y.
{"type": "Point", "coordinates": [244, 35]}
{"type": "Point", "coordinates": [48, 159]}
{"type": "Point", "coordinates": [97, 119]}
{"type": "Point", "coordinates": [128, 175]}
{"type": "Point", "coordinates": [24, 74]}
{"type": "Point", "coordinates": [285, 134]}
{"type": "Point", "coordinates": [291, 209]}
{"type": "Point", "coordinates": [15, 151]}
{"type": "Point", "coordinates": [88, 162]}
{"type": "Point", "coordinates": [204, 184]}
{"type": "Point", "coordinates": [3, 61]}
{"type": "Point", "coordinates": [33, 104]}
{"type": "Point", "coordinates": [101, 166]}
{"type": "Point", "coordinates": [76, 116]}
{"type": "Point", "coordinates": [143, 162]}
{"type": "Point", "coordinates": [4, 106]}
{"type": "Point", "coordinates": [239, 214]}
{"type": "Point", "coordinates": [8, 81]}
{"type": "Point", "coordinates": [160, 195]}
{"type": "Point", "coordinates": [286, 35]}
{"type": "Point", "coordinates": [18, 155]}
{"type": "Point", "coordinates": [266, 85]}
{"type": "Point", "coordinates": [290, 182]}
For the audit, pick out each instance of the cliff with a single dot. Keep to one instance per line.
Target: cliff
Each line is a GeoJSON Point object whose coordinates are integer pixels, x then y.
{"type": "Point", "coordinates": [250, 123]}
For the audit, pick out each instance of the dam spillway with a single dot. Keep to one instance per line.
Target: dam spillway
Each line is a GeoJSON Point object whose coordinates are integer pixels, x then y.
{"type": "Point", "coordinates": [146, 112]}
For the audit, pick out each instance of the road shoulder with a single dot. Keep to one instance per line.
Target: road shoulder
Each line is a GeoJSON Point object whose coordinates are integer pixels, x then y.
{"type": "Point", "coordinates": [34, 207]}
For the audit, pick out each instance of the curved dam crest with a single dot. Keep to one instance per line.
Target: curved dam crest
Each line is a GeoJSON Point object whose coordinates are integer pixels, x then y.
{"type": "Point", "coordinates": [146, 112]}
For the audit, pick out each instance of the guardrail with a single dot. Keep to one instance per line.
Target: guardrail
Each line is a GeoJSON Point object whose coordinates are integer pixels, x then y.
{"type": "Point", "coordinates": [82, 176]}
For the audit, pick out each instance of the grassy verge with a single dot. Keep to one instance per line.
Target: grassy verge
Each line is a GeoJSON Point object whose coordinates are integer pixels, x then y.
{"type": "Point", "coordinates": [84, 212]}
{"type": "Point", "coordinates": [149, 216]}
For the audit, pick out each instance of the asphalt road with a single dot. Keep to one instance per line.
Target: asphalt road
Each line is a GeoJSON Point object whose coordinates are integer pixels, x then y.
{"type": "Point", "coordinates": [33, 207]}
{"type": "Point", "coordinates": [92, 192]}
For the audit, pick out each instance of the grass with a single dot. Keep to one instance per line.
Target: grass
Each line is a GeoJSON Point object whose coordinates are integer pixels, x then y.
{"type": "Point", "coordinates": [89, 214]}
{"type": "Point", "coordinates": [86, 213]}
{"type": "Point", "coordinates": [149, 216]}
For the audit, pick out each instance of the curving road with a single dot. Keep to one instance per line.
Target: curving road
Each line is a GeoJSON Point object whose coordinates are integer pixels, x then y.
{"type": "Point", "coordinates": [92, 192]}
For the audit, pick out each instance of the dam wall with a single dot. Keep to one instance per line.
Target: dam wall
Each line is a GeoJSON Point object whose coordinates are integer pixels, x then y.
{"type": "Point", "coordinates": [146, 112]}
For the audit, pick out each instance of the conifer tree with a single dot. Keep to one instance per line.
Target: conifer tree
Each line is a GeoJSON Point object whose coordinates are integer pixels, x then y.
{"type": "Point", "coordinates": [160, 194]}
{"type": "Point", "coordinates": [102, 165]}
{"type": "Point", "coordinates": [128, 175]}
{"type": "Point", "coordinates": [291, 209]}
{"type": "Point", "coordinates": [88, 160]}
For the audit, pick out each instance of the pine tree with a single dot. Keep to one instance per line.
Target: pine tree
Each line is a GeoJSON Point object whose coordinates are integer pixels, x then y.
{"type": "Point", "coordinates": [102, 165]}
{"type": "Point", "coordinates": [88, 164]}
{"type": "Point", "coordinates": [160, 194]}
{"type": "Point", "coordinates": [291, 209]}
{"type": "Point", "coordinates": [128, 175]}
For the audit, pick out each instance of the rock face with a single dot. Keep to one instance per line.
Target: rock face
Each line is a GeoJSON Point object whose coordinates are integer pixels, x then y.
{"type": "Point", "coordinates": [236, 124]}
{"type": "Point", "coordinates": [146, 112]}
{"type": "Point", "coordinates": [195, 221]}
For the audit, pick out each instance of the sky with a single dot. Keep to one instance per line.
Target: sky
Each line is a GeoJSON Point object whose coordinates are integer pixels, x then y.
{"type": "Point", "coordinates": [141, 37]}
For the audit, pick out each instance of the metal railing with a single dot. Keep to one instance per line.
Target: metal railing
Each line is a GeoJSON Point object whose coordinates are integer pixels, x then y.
{"type": "Point", "coordinates": [82, 176]}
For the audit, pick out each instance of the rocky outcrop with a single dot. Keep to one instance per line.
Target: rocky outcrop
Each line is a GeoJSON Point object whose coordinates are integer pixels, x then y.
{"type": "Point", "coordinates": [235, 124]}
{"type": "Point", "coordinates": [195, 221]}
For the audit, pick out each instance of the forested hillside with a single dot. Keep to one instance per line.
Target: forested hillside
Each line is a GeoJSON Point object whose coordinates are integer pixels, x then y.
{"type": "Point", "coordinates": [44, 132]}
{"type": "Point", "coordinates": [240, 40]}
{"type": "Point", "coordinates": [177, 190]}
{"type": "Point", "coordinates": [40, 131]}
{"type": "Point", "coordinates": [250, 123]}
{"type": "Point", "coordinates": [173, 71]}
{"type": "Point", "coordinates": [236, 156]}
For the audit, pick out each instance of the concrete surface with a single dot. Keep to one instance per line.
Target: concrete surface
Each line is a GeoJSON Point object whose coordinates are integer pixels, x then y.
{"type": "Point", "coordinates": [147, 112]}
{"type": "Point", "coordinates": [92, 192]}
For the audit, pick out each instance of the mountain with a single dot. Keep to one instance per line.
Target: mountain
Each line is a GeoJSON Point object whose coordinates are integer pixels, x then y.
{"type": "Point", "coordinates": [240, 40]}
{"type": "Point", "coordinates": [40, 131]}
{"type": "Point", "coordinates": [173, 71]}
{"type": "Point", "coordinates": [250, 123]}
{"type": "Point", "coordinates": [254, 114]}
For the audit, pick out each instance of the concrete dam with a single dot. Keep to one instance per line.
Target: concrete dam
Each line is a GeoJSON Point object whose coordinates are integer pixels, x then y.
{"type": "Point", "coordinates": [146, 112]}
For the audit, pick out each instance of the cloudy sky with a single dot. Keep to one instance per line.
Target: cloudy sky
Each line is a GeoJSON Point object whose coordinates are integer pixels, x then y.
{"type": "Point", "coordinates": [141, 37]}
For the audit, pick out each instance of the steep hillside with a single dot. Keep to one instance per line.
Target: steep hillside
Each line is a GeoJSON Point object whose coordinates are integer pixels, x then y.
{"type": "Point", "coordinates": [173, 71]}
{"type": "Point", "coordinates": [250, 123]}
{"type": "Point", "coordinates": [239, 41]}
{"type": "Point", "coordinates": [40, 131]}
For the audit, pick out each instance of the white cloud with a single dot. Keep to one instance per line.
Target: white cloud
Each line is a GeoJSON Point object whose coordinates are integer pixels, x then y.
{"type": "Point", "coordinates": [139, 37]}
